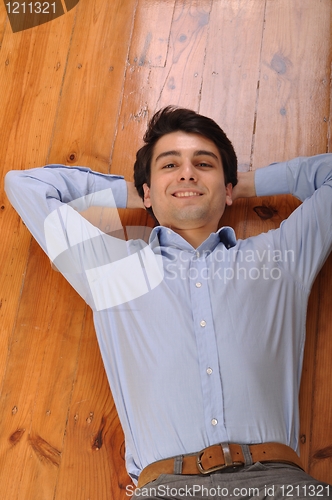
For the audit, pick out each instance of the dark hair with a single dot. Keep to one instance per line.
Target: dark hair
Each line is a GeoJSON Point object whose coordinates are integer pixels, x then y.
{"type": "Point", "coordinates": [174, 119]}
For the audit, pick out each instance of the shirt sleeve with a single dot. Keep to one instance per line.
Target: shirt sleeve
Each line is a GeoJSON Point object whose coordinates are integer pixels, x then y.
{"type": "Point", "coordinates": [49, 200]}
{"type": "Point", "coordinates": [306, 236]}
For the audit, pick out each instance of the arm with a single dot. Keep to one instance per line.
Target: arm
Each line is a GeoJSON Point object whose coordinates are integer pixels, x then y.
{"type": "Point", "coordinates": [300, 177]}
{"type": "Point", "coordinates": [245, 187]}
{"type": "Point", "coordinates": [104, 217]}
{"type": "Point", "coordinates": [49, 200]}
{"type": "Point", "coordinates": [308, 230]}
{"type": "Point", "coordinates": [133, 199]}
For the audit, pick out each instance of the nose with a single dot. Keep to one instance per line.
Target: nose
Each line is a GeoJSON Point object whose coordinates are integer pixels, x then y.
{"type": "Point", "coordinates": [187, 172]}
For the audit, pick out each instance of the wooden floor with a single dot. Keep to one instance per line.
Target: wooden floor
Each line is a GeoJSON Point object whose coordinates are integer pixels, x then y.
{"type": "Point", "coordinates": [79, 90]}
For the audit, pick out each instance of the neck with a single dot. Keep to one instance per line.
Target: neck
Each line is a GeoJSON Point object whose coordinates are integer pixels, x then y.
{"type": "Point", "coordinates": [194, 236]}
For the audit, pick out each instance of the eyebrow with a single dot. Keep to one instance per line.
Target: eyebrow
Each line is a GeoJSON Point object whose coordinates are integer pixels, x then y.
{"type": "Point", "coordinates": [200, 152]}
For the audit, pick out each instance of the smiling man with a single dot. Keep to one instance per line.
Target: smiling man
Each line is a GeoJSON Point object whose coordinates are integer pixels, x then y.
{"type": "Point", "coordinates": [201, 334]}
{"type": "Point", "coordinates": [189, 189]}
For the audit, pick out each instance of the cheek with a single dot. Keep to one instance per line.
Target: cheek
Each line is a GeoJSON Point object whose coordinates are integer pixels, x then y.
{"type": "Point", "coordinates": [156, 200]}
{"type": "Point", "coordinates": [220, 199]}
{"type": "Point", "coordinates": [156, 191]}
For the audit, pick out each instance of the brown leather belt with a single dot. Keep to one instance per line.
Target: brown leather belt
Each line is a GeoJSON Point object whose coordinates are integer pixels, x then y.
{"type": "Point", "coordinates": [219, 457]}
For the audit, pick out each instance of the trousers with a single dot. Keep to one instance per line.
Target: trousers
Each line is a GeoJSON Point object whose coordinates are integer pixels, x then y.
{"type": "Point", "coordinates": [257, 481]}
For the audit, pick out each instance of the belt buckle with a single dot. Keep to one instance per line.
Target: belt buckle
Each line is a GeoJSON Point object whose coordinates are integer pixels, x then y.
{"type": "Point", "coordinates": [228, 461]}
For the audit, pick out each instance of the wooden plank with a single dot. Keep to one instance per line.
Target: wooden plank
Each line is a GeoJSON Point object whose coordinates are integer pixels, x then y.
{"type": "Point", "coordinates": [38, 382]}
{"type": "Point", "coordinates": [321, 444]}
{"type": "Point", "coordinates": [148, 88]}
{"type": "Point", "coordinates": [33, 64]}
{"type": "Point", "coordinates": [143, 56]}
{"type": "Point", "coordinates": [92, 92]}
{"type": "Point", "coordinates": [94, 449]}
{"type": "Point", "coordinates": [231, 71]}
{"type": "Point", "coordinates": [320, 465]}
{"type": "Point", "coordinates": [37, 459]}
{"type": "Point", "coordinates": [314, 433]}
{"type": "Point", "coordinates": [3, 21]}
{"type": "Point", "coordinates": [308, 380]}
{"type": "Point", "coordinates": [321, 438]}
{"type": "Point", "coordinates": [150, 42]}
{"type": "Point", "coordinates": [16, 241]}
{"type": "Point", "coordinates": [182, 82]}
{"type": "Point", "coordinates": [294, 84]}
{"type": "Point", "coordinates": [294, 102]}
{"type": "Point", "coordinates": [329, 142]}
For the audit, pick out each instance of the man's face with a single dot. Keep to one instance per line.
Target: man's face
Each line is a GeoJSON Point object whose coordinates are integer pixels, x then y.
{"type": "Point", "coordinates": [187, 186]}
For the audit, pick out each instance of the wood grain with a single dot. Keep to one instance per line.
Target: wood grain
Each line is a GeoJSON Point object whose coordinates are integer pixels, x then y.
{"type": "Point", "coordinates": [232, 72]}
{"type": "Point", "coordinates": [92, 88]}
{"type": "Point", "coordinates": [320, 443]}
{"type": "Point", "coordinates": [94, 446]}
{"type": "Point", "coordinates": [80, 90]}
{"type": "Point", "coordinates": [43, 358]}
{"type": "Point", "coordinates": [293, 105]}
{"type": "Point", "coordinates": [147, 88]}
{"type": "Point", "coordinates": [29, 87]}
{"type": "Point", "coordinates": [294, 102]}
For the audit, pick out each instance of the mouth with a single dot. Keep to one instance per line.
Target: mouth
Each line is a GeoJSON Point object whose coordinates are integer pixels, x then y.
{"type": "Point", "coordinates": [186, 194]}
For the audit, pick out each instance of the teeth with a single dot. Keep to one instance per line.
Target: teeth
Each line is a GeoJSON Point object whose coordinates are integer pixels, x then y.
{"type": "Point", "coordinates": [186, 194]}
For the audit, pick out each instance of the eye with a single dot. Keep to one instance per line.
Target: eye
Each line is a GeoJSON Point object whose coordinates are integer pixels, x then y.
{"type": "Point", "coordinates": [204, 164]}
{"type": "Point", "coordinates": [169, 165]}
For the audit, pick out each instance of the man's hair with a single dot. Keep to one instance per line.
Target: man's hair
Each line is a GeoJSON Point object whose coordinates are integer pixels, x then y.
{"type": "Point", "coordinates": [174, 119]}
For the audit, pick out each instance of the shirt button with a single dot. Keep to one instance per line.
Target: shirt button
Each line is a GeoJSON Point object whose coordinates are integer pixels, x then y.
{"type": "Point", "coordinates": [209, 371]}
{"type": "Point", "coordinates": [198, 284]}
{"type": "Point", "coordinates": [203, 323]}
{"type": "Point", "coordinates": [214, 421]}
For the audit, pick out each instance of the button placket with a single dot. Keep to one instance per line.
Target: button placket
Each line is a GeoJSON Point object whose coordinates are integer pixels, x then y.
{"type": "Point", "coordinates": [207, 350]}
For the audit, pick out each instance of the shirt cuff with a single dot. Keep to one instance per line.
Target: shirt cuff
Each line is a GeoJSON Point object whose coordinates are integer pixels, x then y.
{"type": "Point", "coordinates": [272, 180]}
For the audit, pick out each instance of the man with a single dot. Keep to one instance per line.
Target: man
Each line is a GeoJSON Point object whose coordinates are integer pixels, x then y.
{"type": "Point", "coordinates": [201, 334]}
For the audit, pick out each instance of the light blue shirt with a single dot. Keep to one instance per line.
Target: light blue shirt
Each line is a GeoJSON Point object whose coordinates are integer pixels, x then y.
{"type": "Point", "coordinates": [203, 345]}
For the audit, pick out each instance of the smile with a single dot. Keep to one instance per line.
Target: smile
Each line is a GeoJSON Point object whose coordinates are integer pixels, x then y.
{"type": "Point", "coordinates": [186, 194]}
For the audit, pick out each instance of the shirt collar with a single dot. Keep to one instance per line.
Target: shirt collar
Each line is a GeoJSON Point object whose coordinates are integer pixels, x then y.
{"type": "Point", "coordinates": [166, 237]}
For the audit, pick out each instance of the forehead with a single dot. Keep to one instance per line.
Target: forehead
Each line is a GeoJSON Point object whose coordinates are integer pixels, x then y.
{"type": "Point", "coordinates": [184, 143]}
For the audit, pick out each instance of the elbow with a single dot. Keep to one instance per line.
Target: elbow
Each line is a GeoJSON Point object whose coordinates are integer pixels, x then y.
{"type": "Point", "coordinates": [12, 183]}
{"type": "Point", "coordinates": [10, 180]}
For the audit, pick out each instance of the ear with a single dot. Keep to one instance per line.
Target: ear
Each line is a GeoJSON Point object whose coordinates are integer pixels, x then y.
{"type": "Point", "coordinates": [229, 193]}
{"type": "Point", "coordinates": [147, 200]}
